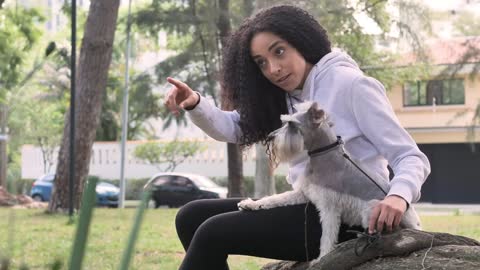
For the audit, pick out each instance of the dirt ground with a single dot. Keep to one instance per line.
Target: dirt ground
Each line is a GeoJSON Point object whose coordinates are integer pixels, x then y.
{"type": "Point", "coordinates": [19, 201]}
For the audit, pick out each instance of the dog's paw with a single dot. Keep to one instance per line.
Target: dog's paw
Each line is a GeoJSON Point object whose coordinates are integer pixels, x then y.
{"type": "Point", "coordinates": [249, 204]}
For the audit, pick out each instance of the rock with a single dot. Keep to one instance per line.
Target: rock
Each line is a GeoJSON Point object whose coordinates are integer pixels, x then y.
{"type": "Point", "coordinates": [403, 249]}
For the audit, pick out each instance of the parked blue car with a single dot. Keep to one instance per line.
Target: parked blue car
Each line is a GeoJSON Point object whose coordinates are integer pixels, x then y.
{"type": "Point", "coordinates": [107, 194]}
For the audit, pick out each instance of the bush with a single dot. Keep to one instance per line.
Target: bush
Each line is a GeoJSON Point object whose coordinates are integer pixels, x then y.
{"type": "Point", "coordinates": [20, 185]}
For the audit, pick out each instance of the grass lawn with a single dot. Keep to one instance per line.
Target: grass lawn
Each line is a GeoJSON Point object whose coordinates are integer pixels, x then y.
{"type": "Point", "coordinates": [39, 239]}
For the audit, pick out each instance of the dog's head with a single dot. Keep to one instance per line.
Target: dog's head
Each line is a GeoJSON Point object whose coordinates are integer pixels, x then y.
{"type": "Point", "coordinates": [308, 127]}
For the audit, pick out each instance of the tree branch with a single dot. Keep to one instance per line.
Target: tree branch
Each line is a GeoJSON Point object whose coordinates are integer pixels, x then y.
{"type": "Point", "coordinates": [198, 30]}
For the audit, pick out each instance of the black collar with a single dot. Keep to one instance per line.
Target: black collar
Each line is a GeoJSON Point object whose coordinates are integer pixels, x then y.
{"type": "Point", "coordinates": [326, 148]}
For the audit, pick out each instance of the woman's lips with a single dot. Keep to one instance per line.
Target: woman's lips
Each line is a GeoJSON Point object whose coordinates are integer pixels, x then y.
{"type": "Point", "coordinates": [284, 78]}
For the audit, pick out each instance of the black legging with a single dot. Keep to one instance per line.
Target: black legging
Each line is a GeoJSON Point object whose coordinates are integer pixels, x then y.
{"type": "Point", "coordinates": [210, 230]}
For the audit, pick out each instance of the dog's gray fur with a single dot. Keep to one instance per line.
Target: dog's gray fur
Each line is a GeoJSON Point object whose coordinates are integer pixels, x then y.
{"type": "Point", "coordinates": [339, 190]}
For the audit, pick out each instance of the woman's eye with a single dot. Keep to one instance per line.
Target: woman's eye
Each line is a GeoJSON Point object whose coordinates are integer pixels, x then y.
{"type": "Point", "coordinates": [261, 63]}
{"type": "Point", "coordinates": [279, 51]}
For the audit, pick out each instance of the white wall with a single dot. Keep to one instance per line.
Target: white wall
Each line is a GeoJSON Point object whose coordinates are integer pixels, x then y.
{"type": "Point", "coordinates": [105, 162]}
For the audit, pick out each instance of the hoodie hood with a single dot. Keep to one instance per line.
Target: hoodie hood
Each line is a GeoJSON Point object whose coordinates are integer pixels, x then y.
{"type": "Point", "coordinates": [336, 58]}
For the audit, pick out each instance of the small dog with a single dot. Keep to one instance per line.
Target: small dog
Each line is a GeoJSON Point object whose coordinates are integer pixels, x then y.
{"type": "Point", "coordinates": [339, 188]}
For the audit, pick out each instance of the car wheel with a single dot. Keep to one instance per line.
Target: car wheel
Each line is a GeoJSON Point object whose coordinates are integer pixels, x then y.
{"type": "Point", "coordinates": [37, 198]}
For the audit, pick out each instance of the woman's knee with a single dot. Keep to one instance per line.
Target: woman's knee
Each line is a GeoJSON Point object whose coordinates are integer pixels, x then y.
{"type": "Point", "coordinates": [196, 212]}
{"type": "Point", "coordinates": [187, 213]}
{"type": "Point", "coordinates": [212, 231]}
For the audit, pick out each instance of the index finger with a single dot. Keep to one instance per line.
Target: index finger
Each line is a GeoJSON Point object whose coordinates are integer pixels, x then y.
{"type": "Point", "coordinates": [170, 99]}
{"type": "Point", "coordinates": [373, 219]}
{"type": "Point", "coordinates": [177, 83]}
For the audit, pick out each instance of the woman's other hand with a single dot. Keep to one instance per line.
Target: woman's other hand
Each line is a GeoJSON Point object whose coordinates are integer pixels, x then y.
{"type": "Point", "coordinates": [387, 214]}
{"type": "Point", "coordinates": [180, 96]}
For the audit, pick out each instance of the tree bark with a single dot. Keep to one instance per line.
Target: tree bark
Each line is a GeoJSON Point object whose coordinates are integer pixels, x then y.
{"type": "Point", "coordinates": [234, 153]}
{"type": "Point", "coordinates": [235, 171]}
{"type": "Point", "coordinates": [94, 61]}
{"type": "Point", "coordinates": [403, 249]}
{"type": "Point", "coordinates": [264, 180]}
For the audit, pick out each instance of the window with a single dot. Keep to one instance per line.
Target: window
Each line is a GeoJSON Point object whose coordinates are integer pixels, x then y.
{"type": "Point", "coordinates": [438, 92]}
{"type": "Point", "coordinates": [182, 182]}
{"type": "Point", "coordinates": [161, 181]}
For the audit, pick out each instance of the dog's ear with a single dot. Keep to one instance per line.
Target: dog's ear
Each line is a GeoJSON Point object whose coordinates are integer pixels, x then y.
{"type": "Point", "coordinates": [316, 114]}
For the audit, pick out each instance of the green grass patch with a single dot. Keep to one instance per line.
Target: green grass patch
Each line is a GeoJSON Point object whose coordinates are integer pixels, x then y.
{"type": "Point", "coordinates": [40, 239]}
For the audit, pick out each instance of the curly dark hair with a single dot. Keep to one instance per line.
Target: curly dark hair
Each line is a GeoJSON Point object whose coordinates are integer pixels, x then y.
{"type": "Point", "coordinates": [244, 88]}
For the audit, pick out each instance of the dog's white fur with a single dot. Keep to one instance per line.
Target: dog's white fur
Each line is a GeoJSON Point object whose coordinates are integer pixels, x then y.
{"type": "Point", "coordinates": [326, 179]}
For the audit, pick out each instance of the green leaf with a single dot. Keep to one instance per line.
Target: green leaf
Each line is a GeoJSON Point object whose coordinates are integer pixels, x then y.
{"type": "Point", "coordinates": [129, 249]}
{"type": "Point", "coordinates": [81, 235]}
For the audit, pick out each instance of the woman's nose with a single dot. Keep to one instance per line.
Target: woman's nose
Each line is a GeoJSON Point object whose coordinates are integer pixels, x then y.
{"type": "Point", "coordinates": [275, 68]}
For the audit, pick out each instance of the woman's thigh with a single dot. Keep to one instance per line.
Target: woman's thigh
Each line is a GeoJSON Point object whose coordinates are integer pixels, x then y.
{"type": "Point", "coordinates": [286, 233]}
{"type": "Point", "coordinates": [278, 233]}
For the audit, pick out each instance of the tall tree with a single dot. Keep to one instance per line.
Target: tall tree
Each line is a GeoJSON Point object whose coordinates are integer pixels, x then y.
{"type": "Point", "coordinates": [234, 153]}
{"type": "Point", "coordinates": [18, 35]}
{"type": "Point", "coordinates": [144, 103]}
{"type": "Point", "coordinates": [197, 30]}
{"type": "Point", "coordinates": [94, 61]}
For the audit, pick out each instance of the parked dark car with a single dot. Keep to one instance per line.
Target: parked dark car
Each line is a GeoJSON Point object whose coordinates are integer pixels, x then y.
{"type": "Point", "coordinates": [177, 189]}
{"type": "Point", "coordinates": [107, 194]}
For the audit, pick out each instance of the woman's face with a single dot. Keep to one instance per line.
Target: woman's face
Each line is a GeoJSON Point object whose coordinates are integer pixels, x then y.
{"type": "Point", "coordinates": [279, 61]}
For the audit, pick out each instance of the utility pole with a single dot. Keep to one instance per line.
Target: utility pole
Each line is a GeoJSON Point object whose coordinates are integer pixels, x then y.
{"type": "Point", "coordinates": [121, 199]}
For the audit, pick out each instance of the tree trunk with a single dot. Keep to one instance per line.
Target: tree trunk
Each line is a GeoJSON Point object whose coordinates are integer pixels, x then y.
{"type": "Point", "coordinates": [234, 153]}
{"type": "Point", "coordinates": [403, 249]}
{"type": "Point", "coordinates": [264, 180]}
{"type": "Point", "coordinates": [235, 171]}
{"type": "Point", "coordinates": [3, 146]}
{"type": "Point", "coordinates": [94, 61]}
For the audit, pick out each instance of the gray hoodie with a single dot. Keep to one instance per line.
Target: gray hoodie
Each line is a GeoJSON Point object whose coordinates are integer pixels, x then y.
{"type": "Point", "coordinates": [362, 116]}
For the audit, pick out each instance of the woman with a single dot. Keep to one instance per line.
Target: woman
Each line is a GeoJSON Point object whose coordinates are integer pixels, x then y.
{"type": "Point", "coordinates": [278, 58]}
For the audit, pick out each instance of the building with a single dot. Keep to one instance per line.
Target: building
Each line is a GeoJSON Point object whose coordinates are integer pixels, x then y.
{"type": "Point", "coordinates": [441, 112]}
{"type": "Point", "coordinates": [105, 161]}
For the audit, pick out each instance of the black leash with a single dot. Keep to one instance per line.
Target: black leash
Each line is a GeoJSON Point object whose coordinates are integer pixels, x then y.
{"type": "Point", "coordinates": [326, 148]}
{"type": "Point", "coordinates": [370, 240]}
{"type": "Point", "coordinates": [365, 240]}
{"type": "Point", "coordinates": [366, 174]}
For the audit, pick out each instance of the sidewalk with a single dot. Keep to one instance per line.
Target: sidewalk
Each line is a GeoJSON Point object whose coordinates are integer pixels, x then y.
{"type": "Point", "coordinates": [447, 209]}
